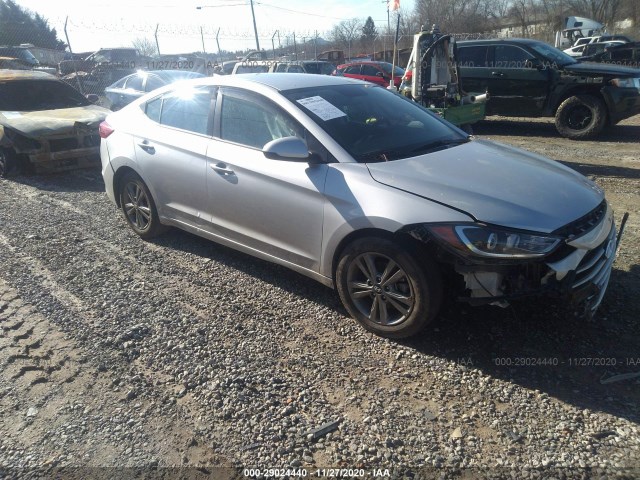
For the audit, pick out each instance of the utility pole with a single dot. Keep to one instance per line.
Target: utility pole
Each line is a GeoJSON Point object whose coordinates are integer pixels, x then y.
{"type": "Point", "coordinates": [255, 29]}
{"type": "Point", "coordinates": [273, 46]}
{"type": "Point", "coordinates": [218, 43]}
{"type": "Point", "coordinates": [203, 49]}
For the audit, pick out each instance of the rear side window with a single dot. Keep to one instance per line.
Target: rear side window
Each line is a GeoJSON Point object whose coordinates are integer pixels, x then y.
{"type": "Point", "coordinates": [473, 56]}
{"type": "Point", "coordinates": [153, 109]}
{"type": "Point", "coordinates": [353, 70]}
{"type": "Point", "coordinates": [186, 109]}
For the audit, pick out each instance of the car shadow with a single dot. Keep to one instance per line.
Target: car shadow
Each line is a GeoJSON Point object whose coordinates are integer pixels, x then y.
{"type": "Point", "coordinates": [588, 169]}
{"type": "Point", "coordinates": [516, 127]}
{"type": "Point", "coordinates": [85, 180]}
{"type": "Point", "coordinates": [532, 343]}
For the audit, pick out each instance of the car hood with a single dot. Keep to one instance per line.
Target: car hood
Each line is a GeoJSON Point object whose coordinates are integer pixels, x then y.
{"type": "Point", "coordinates": [45, 123]}
{"type": "Point", "coordinates": [602, 69]}
{"type": "Point", "coordinates": [496, 184]}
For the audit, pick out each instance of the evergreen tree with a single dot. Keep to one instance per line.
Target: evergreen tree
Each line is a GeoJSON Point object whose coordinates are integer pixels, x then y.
{"type": "Point", "coordinates": [369, 32]}
{"type": "Point", "coordinates": [18, 25]}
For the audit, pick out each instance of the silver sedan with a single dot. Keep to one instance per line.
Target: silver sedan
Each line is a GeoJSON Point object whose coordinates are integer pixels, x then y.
{"type": "Point", "coordinates": [360, 189]}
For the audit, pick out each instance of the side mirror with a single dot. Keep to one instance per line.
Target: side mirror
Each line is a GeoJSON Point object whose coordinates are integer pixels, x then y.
{"type": "Point", "coordinates": [534, 63]}
{"type": "Point", "coordinates": [93, 98]}
{"type": "Point", "coordinates": [287, 148]}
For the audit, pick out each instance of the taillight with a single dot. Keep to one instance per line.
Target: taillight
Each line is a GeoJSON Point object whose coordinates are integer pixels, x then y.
{"type": "Point", "coordinates": [105, 130]}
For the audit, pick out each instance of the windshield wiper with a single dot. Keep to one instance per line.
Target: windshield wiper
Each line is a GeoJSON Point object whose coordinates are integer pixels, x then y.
{"type": "Point", "coordinates": [440, 144]}
{"type": "Point", "coordinates": [380, 156]}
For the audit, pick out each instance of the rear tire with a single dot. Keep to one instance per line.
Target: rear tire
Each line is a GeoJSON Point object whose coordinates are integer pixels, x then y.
{"type": "Point", "coordinates": [138, 207]}
{"type": "Point", "coordinates": [387, 289]}
{"type": "Point", "coordinates": [581, 116]}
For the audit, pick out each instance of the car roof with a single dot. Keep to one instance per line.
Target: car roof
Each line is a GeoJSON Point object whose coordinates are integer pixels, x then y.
{"type": "Point", "coordinates": [516, 41]}
{"type": "Point", "coordinates": [172, 74]}
{"type": "Point", "coordinates": [8, 75]}
{"type": "Point", "coordinates": [278, 81]}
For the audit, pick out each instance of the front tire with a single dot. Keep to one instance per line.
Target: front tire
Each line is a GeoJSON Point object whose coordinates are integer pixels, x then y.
{"type": "Point", "coordinates": [581, 116]}
{"type": "Point", "coordinates": [138, 207]}
{"type": "Point", "coordinates": [8, 165]}
{"type": "Point", "coordinates": [387, 289]}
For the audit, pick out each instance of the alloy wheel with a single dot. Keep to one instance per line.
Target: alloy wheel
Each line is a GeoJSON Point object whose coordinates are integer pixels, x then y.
{"type": "Point", "coordinates": [380, 289]}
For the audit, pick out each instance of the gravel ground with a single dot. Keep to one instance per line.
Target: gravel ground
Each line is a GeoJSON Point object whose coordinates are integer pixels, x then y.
{"type": "Point", "coordinates": [117, 352]}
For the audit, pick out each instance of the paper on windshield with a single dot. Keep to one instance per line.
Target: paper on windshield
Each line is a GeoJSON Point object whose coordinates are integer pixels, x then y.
{"type": "Point", "coordinates": [11, 114]}
{"type": "Point", "coordinates": [321, 108]}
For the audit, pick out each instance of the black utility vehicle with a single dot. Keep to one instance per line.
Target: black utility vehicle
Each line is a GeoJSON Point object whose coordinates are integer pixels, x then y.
{"type": "Point", "coordinates": [626, 55]}
{"type": "Point", "coordinates": [528, 78]}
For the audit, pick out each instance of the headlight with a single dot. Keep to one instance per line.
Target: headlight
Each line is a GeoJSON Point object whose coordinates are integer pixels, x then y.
{"type": "Point", "coordinates": [487, 241]}
{"type": "Point", "coordinates": [626, 82]}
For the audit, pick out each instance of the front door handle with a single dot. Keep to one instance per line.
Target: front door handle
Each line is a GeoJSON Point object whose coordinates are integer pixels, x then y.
{"type": "Point", "coordinates": [147, 147]}
{"type": "Point", "coordinates": [222, 169]}
{"type": "Point", "coordinates": [497, 74]}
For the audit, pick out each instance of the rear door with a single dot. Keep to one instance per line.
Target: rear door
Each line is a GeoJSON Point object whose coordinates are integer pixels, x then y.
{"type": "Point", "coordinates": [473, 66]}
{"type": "Point", "coordinates": [171, 148]}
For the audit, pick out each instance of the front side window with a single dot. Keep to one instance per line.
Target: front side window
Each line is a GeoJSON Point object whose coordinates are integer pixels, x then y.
{"type": "Point", "coordinates": [153, 82]}
{"type": "Point", "coordinates": [369, 70]}
{"type": "Point", "coordinates": [397, 71]}
{"type": "Point", "coordinates": [134, 83]}
{"type": "Point", "coordinates": [508, 56]}
{"type": "Point", "coordinates": [254, 123]}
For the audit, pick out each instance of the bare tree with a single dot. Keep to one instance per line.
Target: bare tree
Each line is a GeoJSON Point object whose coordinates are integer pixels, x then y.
{"type": "Point", "coordinates": [145, 46]}
{"type": "Point", "coordinates": [455, 16]}
{"type": "Point", "coordinates": [345, 33]}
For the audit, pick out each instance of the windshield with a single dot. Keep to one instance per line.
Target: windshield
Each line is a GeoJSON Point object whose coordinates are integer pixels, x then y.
{"type": "Point", "coordinates": [553, 54]}
{"type": "Point", "coordinates": [397, 72]}
{"type": "Point", "coordinates": [34, 95]}
{"type": "Point", "coordinates": [373, 124]}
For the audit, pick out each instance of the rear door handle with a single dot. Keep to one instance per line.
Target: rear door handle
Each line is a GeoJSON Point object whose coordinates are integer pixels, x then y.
{"type": "Point", "coordinates": [222, 169]}
{"type": "Point", "coordinates": [497, 74]}
{"type": "Point", "coordinates": [147, 147]}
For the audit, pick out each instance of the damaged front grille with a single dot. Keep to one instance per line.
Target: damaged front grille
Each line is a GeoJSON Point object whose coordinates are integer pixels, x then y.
{"type": "Point", "coordinates": [595, 268]}
{"type": "Point", "coordinates": [62, 144]}
{"type": "Point", "coordinates": [584, 224]}
{"type": "Point", "coordinates": [92, 141]}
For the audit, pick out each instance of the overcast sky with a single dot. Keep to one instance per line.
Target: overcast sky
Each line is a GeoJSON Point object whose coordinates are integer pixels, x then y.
{"type": "Point", "coordinates": [114, 23]}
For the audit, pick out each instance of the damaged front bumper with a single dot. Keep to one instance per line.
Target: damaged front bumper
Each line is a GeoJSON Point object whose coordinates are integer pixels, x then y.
{"type": "Point", "coordinates": [57, 150]}
{"type": "Point", "coordinates": [577, 267]}
{"type": "Point", "coordinates": [581, 276]}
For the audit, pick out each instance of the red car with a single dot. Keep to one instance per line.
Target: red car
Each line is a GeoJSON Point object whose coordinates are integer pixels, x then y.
{"type": "Point", "coordinates": [374, 72]}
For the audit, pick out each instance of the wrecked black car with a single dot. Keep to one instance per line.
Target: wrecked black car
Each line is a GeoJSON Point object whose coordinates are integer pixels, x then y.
{"type": "Point", "coordinates": [45, 124]}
